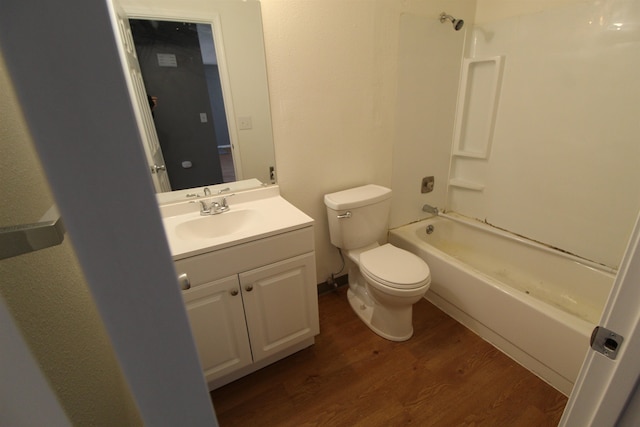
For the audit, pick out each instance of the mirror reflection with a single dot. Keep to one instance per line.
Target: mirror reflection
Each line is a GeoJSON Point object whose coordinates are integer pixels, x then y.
{"type": "Point", "coordinates": [182, 79]}
{"type": "Point", "coordinates": [216, 131]}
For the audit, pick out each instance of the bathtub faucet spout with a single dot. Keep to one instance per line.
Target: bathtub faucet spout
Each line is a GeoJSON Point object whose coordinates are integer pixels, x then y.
{"type": "Point", "coordinates": [430, 209]}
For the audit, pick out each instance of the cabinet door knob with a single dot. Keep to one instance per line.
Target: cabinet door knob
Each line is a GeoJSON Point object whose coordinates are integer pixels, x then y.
{"type": "Point", "coordinates": [233, 292]}
{"type": "Point", "coordinates": [248, 288]}
{"type": "Point", "coordinates": [184, 281]}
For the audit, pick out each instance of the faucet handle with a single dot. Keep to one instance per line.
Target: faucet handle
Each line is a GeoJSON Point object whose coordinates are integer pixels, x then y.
{"type": "Point", "coordinates": [204, 209]}
{"type": "Point", "coordinates": [225, 205]}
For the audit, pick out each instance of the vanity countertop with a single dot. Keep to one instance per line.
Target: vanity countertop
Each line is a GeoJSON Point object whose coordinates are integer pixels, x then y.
{"type": "Point", "coordinates": [253, 215]}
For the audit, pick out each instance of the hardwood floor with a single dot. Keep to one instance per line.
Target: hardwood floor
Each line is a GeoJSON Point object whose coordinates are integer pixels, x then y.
{"type": "Point", "coordinates": [444, 376]}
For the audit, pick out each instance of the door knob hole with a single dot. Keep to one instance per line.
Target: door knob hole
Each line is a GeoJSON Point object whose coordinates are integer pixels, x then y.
{"type": "Point", "coordinates": [610, 344]}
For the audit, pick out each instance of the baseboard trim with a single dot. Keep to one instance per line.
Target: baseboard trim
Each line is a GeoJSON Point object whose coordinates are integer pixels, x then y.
{"type": "Point", "coordinates": [324, 287]}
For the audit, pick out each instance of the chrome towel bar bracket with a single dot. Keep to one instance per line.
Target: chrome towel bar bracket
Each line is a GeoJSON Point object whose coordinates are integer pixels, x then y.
{"type": "Point", "coordinates": [24, 238]}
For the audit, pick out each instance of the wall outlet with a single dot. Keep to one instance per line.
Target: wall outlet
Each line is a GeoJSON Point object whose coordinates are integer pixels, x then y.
{"type": "Point", "coordinates": [428, 182]}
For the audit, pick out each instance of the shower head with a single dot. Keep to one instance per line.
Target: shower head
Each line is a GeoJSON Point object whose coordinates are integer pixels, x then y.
{"type": "Point", "coordinates": [457, 23]}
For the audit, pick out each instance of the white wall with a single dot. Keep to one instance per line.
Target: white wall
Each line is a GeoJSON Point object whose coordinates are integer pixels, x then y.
{"type": "Point", "coordinates": [565, 161]}
{"type": "Point", "coordinates": [333, 78]}
{"type": "Point", "coordinates": [365, 91]}
{"type": "Point", "coordinates": [331, 87]}
{"type": "Point", "coordinates": [331, 71]}
{"type": "Point", "coordinates": [333, 75]}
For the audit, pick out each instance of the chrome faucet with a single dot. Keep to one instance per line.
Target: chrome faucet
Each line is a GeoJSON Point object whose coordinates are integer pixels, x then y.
{"type": "Point", "coordinates": [215, 207]}
{"type": "Point", "coordinates": [430, 209]}
{"type": "Point", "coordinates": [223, 206]}
{"type": "Point", "coordinates": [204, 208]}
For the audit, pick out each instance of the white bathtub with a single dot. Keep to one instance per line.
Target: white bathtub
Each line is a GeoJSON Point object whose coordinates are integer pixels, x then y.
{"type": "Point", "coordinates": [536, 304]}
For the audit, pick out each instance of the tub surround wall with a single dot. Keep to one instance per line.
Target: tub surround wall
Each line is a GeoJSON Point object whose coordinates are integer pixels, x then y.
{"type": "Point", "coordinates": [429, 55]}
{"type": "Point", "coordinates": [493, 10]}
{"type": "Point", "coordinates": [563, 165]}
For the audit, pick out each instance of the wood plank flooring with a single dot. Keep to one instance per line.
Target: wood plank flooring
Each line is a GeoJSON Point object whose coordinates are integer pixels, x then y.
{"type": "Point", "coordinates": [444, 376]}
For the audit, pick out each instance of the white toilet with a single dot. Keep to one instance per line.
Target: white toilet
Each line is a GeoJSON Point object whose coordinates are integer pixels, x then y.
{"type": "Point", "coordinates": [385, 281]}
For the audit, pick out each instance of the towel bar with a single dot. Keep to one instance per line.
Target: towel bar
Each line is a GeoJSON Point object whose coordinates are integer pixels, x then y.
{"type": "Point", "coordinates": [24, 238]}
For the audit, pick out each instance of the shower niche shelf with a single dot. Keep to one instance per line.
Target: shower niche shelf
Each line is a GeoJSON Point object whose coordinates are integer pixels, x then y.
{"type": "Point", "coordinates": [477, 106]}
{"type": "Point", "coordinates": [466, 184]}
{"type": "Point", "coordinates": [474, 122]}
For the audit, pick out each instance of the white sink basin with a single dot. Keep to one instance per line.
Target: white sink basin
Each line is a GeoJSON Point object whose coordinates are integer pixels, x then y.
{"type": "Point", "coordinates": [252, 215]}
{"type": "Point", "coordinates": [212, 226]}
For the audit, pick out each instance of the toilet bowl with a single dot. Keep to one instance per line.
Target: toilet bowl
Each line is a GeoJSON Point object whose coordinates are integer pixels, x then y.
{"type": "Point", "coordinates": [384, 281]}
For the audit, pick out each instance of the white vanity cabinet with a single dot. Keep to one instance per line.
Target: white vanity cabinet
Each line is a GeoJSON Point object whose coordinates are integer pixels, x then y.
{"type": "Point", "coordinates": [216, 315]}
{"type": "Point", "coordinates": [279, 309]}
{"type": "Point", "coordinates": [251, 304]}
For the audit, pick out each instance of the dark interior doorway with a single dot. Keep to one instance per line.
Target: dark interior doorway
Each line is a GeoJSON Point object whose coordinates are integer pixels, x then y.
{"type": "Point", "coordinates": [189, 109]}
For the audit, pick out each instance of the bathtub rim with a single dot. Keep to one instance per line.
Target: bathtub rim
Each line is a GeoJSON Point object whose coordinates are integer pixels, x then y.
{"type": "Point", "coordinates": [486, 227]}
{"type": "Point", "coordinates": [572, 320]}
{"type": "Point", "coordinates": [578, 323]}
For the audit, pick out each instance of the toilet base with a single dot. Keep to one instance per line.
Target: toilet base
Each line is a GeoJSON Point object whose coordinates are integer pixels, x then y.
{"type": "Point", "coordinates": [391, 324]}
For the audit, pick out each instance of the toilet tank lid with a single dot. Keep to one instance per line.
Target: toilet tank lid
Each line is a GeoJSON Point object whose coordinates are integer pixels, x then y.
{"type": "Point", "coordinates": [357, 197]}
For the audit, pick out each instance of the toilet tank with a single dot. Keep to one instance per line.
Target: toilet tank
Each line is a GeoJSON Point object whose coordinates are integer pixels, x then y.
{"type": "Point", "coordinates": [369, 216]}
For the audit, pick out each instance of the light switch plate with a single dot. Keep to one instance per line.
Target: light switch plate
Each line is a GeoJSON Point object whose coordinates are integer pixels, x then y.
{"type": "Point", "coordinates": [244, 123]}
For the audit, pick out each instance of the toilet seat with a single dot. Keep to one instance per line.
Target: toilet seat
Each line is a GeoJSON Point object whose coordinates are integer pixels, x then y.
{"type": "Point", "coordinates": [395, 268]}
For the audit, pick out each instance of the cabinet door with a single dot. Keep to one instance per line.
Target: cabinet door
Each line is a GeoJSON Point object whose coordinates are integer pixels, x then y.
{"type": "Point", "coordinates": [281, 304]}
{"type": "Point", "coordinates": [218, 326]}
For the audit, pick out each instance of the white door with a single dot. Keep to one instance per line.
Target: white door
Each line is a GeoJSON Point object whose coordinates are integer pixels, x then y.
{"type": "Point", "coordinates": [280, 303]}
{"type": "Point", "coordinates": [604, 385]}
{"type": "Point", "coordinates": [216, 315]}
{"type": "Point", "coordinates": [140, 102]}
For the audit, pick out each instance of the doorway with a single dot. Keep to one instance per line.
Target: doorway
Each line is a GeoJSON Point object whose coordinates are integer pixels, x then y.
{"type": "Point", "coordinates": [180, 72]}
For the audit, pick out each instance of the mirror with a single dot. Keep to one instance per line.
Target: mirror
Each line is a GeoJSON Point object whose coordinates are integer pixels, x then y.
{"type": "Point", "coordinates": [184, 89]}
{"type": "Point", "coordinates": [245, 157]}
